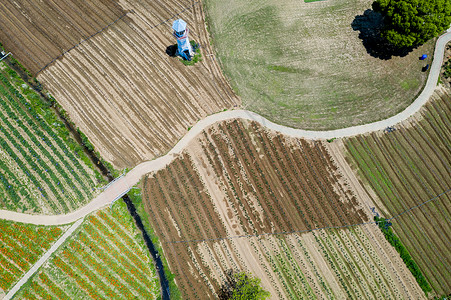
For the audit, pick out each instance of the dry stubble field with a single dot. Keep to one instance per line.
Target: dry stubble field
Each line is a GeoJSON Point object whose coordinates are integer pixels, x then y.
{"type": "Point", "coordinates": [241, 197]}
{"type": "Point", "coordinates": [125, 93]}
{"type": "Point", "coordinates": [409, 166]}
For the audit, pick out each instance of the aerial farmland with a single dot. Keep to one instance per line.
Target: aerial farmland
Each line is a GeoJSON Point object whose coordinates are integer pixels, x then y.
{"type": "Point", "coordinates": [222, 149]}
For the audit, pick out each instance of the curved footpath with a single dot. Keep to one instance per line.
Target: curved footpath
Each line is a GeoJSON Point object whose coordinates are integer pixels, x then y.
{"type": "Point", "coordinates": [123, 184]}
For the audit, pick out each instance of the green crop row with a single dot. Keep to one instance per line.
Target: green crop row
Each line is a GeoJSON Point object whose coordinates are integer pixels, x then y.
{"type": "Point", "coordinates": [405, 255]}
{"type": "Point", "coordinates": [26, 145]}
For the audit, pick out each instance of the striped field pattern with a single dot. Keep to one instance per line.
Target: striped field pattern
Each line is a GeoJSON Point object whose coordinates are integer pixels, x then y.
{"type": "Point", "coordinates": [105, 259]}
{"type": "Point", "coordinates": [408, 165]}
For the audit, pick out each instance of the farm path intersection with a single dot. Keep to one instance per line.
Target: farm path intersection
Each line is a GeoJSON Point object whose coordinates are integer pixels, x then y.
{"type": "Point", "coordinates": [123, 184]}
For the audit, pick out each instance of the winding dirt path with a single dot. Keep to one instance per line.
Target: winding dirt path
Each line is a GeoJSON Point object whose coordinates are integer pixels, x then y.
{"type": "Point", "coordinates": [123, 184]}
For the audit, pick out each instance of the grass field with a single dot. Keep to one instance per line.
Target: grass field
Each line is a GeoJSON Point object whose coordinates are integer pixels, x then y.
{"type": "Point", "coordinates": [304, 65]}
{"type": "Point", "coordinates": [407, 167]}
{"type": "Point", "coordinates": [21, 245]}
{"type": "Point", "coordinates": [43, 170]}
{"type": "Point", "coordinates": [105, 259]}
{"type": "Point", "coordinates": [243, 198]}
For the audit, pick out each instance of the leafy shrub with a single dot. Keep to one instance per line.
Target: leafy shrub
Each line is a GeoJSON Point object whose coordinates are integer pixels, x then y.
{"type": "Point", "coordinates": [405, 255]}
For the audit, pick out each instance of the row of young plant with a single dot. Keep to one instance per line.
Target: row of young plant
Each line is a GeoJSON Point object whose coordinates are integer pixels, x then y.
{"type": "Point", "coordinates": [241, 151]}
{"type": "Point", "coordinates": [136, 196]}
{"type": "Point", "coordinates": [24, 114]}
{"type": "Point", "coordinates": [45, 118]}
{"type": "Point", "coordinates": [405, 255]}
{"type": "Point", "coordinates": [418, 180]}
{"type": "Point", "coordinates": [102, 260]}
{"type": "Point", "coordinates": [21, 245]}
{"type": "Point", "coordinates": [33, 158]}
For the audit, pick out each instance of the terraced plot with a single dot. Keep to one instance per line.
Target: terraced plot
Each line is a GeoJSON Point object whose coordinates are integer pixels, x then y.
{"type": "Point", "coordinates": [21, 245]}
{"type": "Point", "coordinates": [40, 172]}
{"type": "Point", "coordinates": [409, 165]}
{"type": "Point", "coordinates": [241, 197]}
{"type": "Point", "coordinates": [127, 95]}
{"type": "Point", "coordinates": [105, 259]}
{"type": "Point", "coordinates": [37, 32]}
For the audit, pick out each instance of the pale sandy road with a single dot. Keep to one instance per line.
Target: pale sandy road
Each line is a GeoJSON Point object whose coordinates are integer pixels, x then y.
{"type": "Point", "coordinates": [124, 184]}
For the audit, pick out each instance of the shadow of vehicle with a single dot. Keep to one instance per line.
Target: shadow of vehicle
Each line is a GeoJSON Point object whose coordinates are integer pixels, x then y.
{"type": "Point", "coordinates": [370, 24]}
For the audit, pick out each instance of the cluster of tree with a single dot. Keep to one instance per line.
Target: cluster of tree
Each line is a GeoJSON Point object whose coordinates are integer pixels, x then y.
{"type": "Point", "coordinates": [241, 286]}
{"type": "Point", "coordinates": [405, 255]}
{"type": "Point", "coordinates": [413, 22]}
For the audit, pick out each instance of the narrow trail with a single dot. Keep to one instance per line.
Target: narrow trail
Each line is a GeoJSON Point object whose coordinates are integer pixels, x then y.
{"type": "Point", "coordinates": [120, 186]}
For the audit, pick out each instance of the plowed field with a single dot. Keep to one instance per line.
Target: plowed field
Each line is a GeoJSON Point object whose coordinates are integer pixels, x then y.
{"type": "Point", "coordinates": [120, 87]}
{"type": "Point", "coordinates": [410, 166]}
{"type": "Point", "coordinates": [37, 32]}
{"type": "Point", "coordinates": [241, 197]}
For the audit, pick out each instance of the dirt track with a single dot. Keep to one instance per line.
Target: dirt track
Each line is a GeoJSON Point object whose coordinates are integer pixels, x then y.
{"type": "Point", "coordinates": [130, 98]}
{"type": "Point", "coordinates": [215, 206]}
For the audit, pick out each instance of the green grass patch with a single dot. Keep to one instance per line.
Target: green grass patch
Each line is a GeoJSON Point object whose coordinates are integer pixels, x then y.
{"type": "Point", "coordinates": [408, 260]}
{"type": "Point", "coordinates": [310, 72]}
{"type": "Point", "coordinates": [135, 195]}
{"type": "Point", "coordinates": [196, 58]}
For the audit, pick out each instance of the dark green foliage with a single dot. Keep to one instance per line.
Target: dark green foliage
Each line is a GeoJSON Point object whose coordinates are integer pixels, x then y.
{"type": "Point", "coordinates": [241, 286]}
{"type": "Point", "coordinates": [447, 67]}
{"type": "Point", "coordinates": [410, 263]}
{"type": "Point", "coordinates": [85, 140]}
{"type": "Point", "coordinates": [196, 58]}
{"type": "Point", "coordinates": [135, 195]}
{"type": "Point", "coordinates": [413, 22]}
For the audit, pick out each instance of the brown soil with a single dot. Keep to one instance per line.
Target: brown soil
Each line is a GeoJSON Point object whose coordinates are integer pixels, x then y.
{"type": "Point", "coordinates": [36, 32]}
{"type": "Point", "coordinates": [127, 95]}
{"type": "Point", "coordinates": [236, 184]}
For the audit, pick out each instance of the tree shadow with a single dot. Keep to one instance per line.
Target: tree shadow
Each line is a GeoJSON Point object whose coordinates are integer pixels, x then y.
{"type": "Point", "coordinates": [370, 25]}
{"type": "Point", "coordinates": [171, 50]}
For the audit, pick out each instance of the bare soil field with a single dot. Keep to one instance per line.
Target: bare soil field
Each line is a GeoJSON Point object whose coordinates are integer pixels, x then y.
{"type": "Point", "coordinates": [313, 65]}
{"type": "Point", "coordinates": [127, 95]}
{"type": "Point", "coordinates": [36, 32]}
{"type": "Point", "coordinates": [409, 165]}
{"type": "Point", "coordinates": [243, 198]}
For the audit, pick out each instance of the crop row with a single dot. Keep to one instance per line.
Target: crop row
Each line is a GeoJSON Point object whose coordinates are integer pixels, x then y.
{"type": "Point", "coordinates": [407, 167]}
{"type": "Point", "coordinates": [21, 246]}
{"type": "Point", "coordinates": [41, 155]}
{"type": "Point", "coordinates": [103, 260]}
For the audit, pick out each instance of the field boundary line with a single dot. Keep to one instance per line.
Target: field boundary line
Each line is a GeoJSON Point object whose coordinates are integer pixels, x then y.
{"type": "Point", "coordinates": [110, 24]}
{"type": "Point", "coordinates": [305, 230]}
{"type": "Point", "coordinates": [42, 260]}
{"type": "Point", "coordinates": [135, 175]}
{"type": "Point", "coordinates": [81, 42]}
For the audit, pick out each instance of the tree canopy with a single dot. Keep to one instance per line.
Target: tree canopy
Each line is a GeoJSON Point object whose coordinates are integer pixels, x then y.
{"type": "Point", "coordinates": [242, 286]}
{"type": "Point", "coordinates": [413, 22]}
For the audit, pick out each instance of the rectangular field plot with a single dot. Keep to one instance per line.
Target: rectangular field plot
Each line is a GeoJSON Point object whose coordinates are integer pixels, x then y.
{"type": "Point", "coordinates": [105, 259]}
{"type": "Point", "coordinates": [127, 95]}
{"type": "Point", "coordinates": [21, 245]}
{"type": "Point", "coordinates": [410, 166]}
{"type": "Point", "coordinates": [40, 168]}
{"type": "Point", "coordinates": [37, 32]}
{"type": "Point", "coordinates": [241, 197]}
